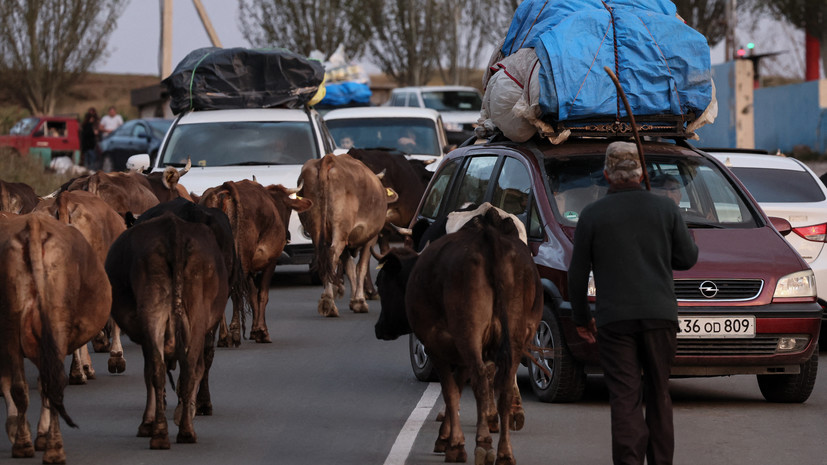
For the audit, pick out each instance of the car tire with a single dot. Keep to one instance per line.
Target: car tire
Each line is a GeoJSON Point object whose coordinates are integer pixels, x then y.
{"type": "Point", "coordinates": [422, 367]}
{"type": "Point", "coordinates": [791, 389]}
{"type": "Point", "coordinates": [568, 377]}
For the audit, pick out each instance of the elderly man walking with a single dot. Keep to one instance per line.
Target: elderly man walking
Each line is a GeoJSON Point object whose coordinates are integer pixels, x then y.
{"type": "Point", "coordinates": [631, 240]}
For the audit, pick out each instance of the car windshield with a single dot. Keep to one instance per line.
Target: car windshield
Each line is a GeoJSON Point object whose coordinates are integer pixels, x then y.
{"type": "Point", "coordinates": [241, 143]}
{"type": "Point", "coordinates": [160, 127]}
{"type": "Point", "coordinates": [769, 185]}
{"type": "Point", "coordinates": [409, 135]}
{"type": "Point", "coordinates": [24, 126]}
{"type": "Point", "coordinates": [452, 100]}
{"type": "Point", "coordinates": [707, 199]}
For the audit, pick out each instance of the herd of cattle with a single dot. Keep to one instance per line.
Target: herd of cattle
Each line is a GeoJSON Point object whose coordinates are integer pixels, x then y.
{"type": "Point", "coordinates": [112, 252]}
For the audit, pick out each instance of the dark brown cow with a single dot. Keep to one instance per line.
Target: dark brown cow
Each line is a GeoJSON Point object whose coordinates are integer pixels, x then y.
{"type": "Point", "coordinates": [100, 225]}
{"type": "Point", "coordinates": [259, 217]}
{"type": "Point", "coordinates": [169, 287]}
{"type": "Point", "coordinates": [165, 186]}
{"type": "Point", "coordinates": [472, 297]}
{"type": "Point", "coordinates": [53, 298]}
{"type": "Point", "coordinates": [17, 197]}
{"type": "Point", "coordinates": [349, 209]}
{"type": "Point", "coordinates": [124, 192]}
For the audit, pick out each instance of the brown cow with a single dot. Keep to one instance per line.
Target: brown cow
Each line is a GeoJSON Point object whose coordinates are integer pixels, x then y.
{"type": "Point", "coordinates": [259, 217]}
{"type": "Point", "coordinates": [472, 297]}
{"type": "Point", "coordinates": [349, 209]}
{"type": "Point", "coordinates": [124, 192]}
{"type": "Point", "coordinates": [53, 298]}
{"type": "Point", "coordinates": [100, 224]}
{"type": "Point", "coordinates": [170, 287]}
{"type": "Point", "coordinates": [17, 197]}
{"type": "Point", "coordinates": [164, 184]}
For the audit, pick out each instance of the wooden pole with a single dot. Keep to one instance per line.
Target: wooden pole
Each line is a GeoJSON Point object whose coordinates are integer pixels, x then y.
{"type": "Point", "coordinates": [165, 61]}
{"type": "Point", "coordinates": [205, 20]}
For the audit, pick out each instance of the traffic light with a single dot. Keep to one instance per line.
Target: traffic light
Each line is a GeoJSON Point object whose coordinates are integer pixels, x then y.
{"type": "Point", "coordinates": [741, 52]}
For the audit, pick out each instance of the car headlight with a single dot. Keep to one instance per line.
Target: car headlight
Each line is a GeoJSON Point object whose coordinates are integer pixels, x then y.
{"type": "Point", "coordinates": [800, 284]}
{"type": "Point", "coordinates": [452, 127]}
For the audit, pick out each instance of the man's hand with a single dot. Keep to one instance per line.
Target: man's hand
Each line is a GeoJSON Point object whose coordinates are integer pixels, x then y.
{"type": "Point", "coordinates": [588, 332]}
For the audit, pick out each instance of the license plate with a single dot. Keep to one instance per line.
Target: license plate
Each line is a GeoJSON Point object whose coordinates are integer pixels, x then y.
{"type": "Point", "coordinates": [716, 327]}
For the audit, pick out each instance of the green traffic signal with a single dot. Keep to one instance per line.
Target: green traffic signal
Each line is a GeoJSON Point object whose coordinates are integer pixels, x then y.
{"type": "Point", "coordinates": [751, 45]}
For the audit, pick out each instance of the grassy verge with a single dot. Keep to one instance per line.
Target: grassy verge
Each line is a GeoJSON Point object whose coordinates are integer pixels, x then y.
{"type": "Point", "coordinates": [14, 168]}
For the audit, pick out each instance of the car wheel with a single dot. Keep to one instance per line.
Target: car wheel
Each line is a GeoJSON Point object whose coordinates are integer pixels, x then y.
{"type": "Point", "coordinates": [568, 378]}
{"type": "Point", "coordinates": [790, 388]}
{"type": "Point", "coordinates": [422, 367]}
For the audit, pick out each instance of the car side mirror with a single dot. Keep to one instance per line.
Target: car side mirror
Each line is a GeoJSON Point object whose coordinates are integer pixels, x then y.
{"type": "Point", "coordinates": [139, 162]}
{"type": "Point", "coordinates": [783, 226]}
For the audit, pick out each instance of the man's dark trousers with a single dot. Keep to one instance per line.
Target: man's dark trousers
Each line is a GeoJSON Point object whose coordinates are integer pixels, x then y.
{"type": "Point", "coordinates": [624, 355]}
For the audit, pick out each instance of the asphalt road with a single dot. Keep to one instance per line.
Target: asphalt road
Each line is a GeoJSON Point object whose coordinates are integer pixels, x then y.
{"type": "Point", "coordinates": [327, 392]}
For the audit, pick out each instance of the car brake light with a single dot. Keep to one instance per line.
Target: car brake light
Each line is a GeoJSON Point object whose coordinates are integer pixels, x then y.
{"type": "Point", "coordinates": [816, 233]}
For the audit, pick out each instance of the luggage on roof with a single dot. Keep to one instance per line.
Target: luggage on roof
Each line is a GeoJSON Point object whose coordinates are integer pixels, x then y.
{"type": "Point", "coordinates": [213, 78]}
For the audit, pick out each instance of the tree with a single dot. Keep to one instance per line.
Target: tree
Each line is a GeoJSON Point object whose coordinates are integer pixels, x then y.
{"type": "Point", "coordinates": [303, 26]}
{"type": "Point", "coordinates": [48, 45]}
{"type": "Point", "coordinates": [705, 16]}
{"type": "Point", "coordinates": [810, 15]}
{"type": "Point", "coordinates": [405, 39]}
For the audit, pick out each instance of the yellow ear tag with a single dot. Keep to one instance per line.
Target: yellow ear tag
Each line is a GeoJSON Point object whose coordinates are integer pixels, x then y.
{"type": "Point", "coordinates": [389, 191]}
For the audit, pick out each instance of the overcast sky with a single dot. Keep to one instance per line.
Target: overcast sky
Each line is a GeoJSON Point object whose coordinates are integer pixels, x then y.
{"type": "Point", "coordinates": [134, 44]}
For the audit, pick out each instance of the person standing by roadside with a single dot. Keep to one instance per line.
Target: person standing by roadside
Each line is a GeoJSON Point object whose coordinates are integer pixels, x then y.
{"type": "Point", "coordinates": [631, 240]}
{"type": "Point", "coordinates": [89, 130]}
{"type": "Point", "coordinates": [110, 121]}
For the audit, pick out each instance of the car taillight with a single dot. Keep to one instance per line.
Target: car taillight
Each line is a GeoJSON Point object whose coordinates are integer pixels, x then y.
{"type": "Point", "coordinates": [816, 233]}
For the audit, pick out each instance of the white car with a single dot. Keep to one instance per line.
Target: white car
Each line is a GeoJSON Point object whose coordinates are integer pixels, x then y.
{"type": "Point", "coordinates": [459, 106]}
{"type": "Point", "coordinates": [417, 132]}
{"type": "Point", "coordinates": [270, 145]}
{"type": "Point", "coordinates": [787, 188]}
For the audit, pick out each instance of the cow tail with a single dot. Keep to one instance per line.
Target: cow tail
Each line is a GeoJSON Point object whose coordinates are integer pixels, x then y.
{"type": "Point", "coordinates": [50, 359]}
{"type": "Point", "coordinates": [62, 208]}
{"type": "Point", "coordinates": [502, 357]}
{"type": "Point", "coordinates": [327, 271]}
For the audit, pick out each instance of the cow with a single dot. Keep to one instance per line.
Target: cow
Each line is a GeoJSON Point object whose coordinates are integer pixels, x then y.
{"type": "Point", "coordinates": [259, 218]}
{"type": "Point", "coordinates": [349, 209]}
{"type": "Point", "coordinates": [164, 184]}
{"type": "Point", "coordinates": [170, 287]}
{"type": "Point", "coordinates": [17, 197]}
{"type": "Point", "coordinates": [53, 298]}
{"type": "Point", "coordinates": [124, 192]}
{"type": "Point", "coordinates": [100, 225]}
{"type": "Point", "coordinates": [472, 297]}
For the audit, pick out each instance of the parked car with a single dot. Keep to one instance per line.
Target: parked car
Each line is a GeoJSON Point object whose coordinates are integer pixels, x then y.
{"type": "Point", "coordinates": [787, 188]}
{"type": "Point", "coordinates": [133, 137]}
{"type": "Point", "coordinates": [459, 105]}
{"type": "Point", "coordinates": [45, 137]}
{"type": "Point", "coordinates": [270, 145]}
{"type": "Point", "coordinates": [747, 307]}
{"type": "Point", "coordinates": [416, 132]}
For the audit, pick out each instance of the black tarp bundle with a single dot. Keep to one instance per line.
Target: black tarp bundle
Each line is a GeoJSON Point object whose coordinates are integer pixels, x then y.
{"type": "Point", "coordinates": [213, 78]}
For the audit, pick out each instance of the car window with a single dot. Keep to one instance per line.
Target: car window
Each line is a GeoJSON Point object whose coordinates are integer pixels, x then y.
{"type": "Point", "coordinates": [398, 99]}
{"type": "Point", "coordinates": [409, 135]}
{"type": "Point", "coordinates": [512, 189]}
{"type": "Point", "coordinates": [241, 143]}
{"type": "Point", "coordinates": [475, 180]}
{"type": "Point", "coordinates": [463, 100]}
{"type": "Point", "coordinates": [24, 126]}
{"type": "Point", "coordinates": [768, 185]}
{"type": "Point", "coordinates": [159, 128]}
{"type": "Point", "coordinates": [705, 196]}
{"type": "Point", "coordinates": [430, 208]}
{"type": "Point", "coordinates": [139, 131]}
{"type": "Point", "coordinates": [124, 130]}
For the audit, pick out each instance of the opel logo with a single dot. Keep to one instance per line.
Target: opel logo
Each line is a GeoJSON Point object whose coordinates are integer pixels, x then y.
{"type": "Point", "coordinates": [708, 289]}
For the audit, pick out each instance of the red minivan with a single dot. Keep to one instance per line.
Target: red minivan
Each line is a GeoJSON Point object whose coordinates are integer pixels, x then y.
{"type": "Point", "coordinates": [747, 307]}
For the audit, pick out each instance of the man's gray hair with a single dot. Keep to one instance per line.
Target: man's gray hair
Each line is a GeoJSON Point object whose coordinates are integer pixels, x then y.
{"type": "Point", "coordinates": [622, 162]}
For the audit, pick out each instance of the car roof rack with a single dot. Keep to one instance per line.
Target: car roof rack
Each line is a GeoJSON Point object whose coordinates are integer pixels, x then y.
{"type": "Point", "coordinates": [672, 126]}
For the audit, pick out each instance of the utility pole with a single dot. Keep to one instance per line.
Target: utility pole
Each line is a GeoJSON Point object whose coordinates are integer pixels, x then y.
{"type": "Point", "coordinates": [165, 48]}
{"type": "Point", "coordinates": [205, 20]}
{"type": "Point", "coordinates": [731, 22]}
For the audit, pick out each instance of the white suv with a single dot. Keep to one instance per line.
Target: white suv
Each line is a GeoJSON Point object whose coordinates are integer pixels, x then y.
{"type": "Point", "coordinates": [230, 145]}
{"type": "Point", "coordinates": [459, 106]}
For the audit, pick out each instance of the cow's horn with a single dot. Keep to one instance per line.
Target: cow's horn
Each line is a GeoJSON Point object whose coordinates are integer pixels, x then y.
{"type": "Point", "coordinates": [381, 174]}
{"type": "Point", "coordinates": [428, 161]}
{"type": "Point", "coordinates": [296, 189]}
{"type": "Point", "coordinates": [186, 168]}
{"type": "Point", "coordinates": [402, 231]}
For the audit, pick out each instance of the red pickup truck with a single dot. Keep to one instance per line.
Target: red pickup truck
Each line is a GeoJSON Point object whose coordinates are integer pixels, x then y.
{"type": "Point", "coordinates": [45, 137]}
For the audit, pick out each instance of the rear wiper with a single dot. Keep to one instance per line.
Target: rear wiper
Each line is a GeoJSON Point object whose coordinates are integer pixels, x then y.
{"type": "Point", "coordinates": [252, 163]}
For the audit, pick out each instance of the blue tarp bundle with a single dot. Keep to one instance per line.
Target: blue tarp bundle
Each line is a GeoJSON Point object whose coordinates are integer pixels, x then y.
{"type": "Point", "coordinates": [346, 93]}
{"type": "Point", "coordinates": [663, 64]}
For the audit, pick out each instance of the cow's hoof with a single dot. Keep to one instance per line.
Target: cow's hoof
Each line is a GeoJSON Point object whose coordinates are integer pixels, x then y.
{"type": "Point", "coordinates": [204, 408]}
{"type": "Point", "coordinates": [40, 442]}
{"type": "Point", "coordinates": [100, 343]}
{"type": "Point", "coordinates": [76, 378]}
{"type": "Point", "coordinates": [327, 307]}
{"type": "Point", "coordinates": [506, 460]}
{"type": "Point", "coordinates": [484, 456]}
{"type": "Point", "coordinates": [89, 371]}
{"type": "Point", "coordinates": [159, 442]}
{"type": "Point", "coordinates": [517, 420]}
{"type": "Point", "coordinates": [456, 454]}
{"type": "Point", "coordinates": [440, 445]}
{"type": "Point", "coordinates": [359, 306]}
{"type": "Point", "coordinates": [371, 295]}
{"type": "Point", "coordinates": [236, 338]}
{"type": "Point", "coordinates": [55, 455]}
{"type": "Point", "coordinates": [116, 365]}
{"type": "Point", "coordinates": [187, 437]}
{"type": "Point", "coordinates": [261, 336]}
{"type": "Point", "coordinates": [145, 430]}
{"type": "Point", "coordinates": [22, 451]}
{"type": "Point", "coordinates": [222, 342]}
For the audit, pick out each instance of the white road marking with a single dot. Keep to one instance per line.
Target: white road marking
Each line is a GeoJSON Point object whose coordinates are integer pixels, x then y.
{"type": "Point", "coordinates": [404, 442]}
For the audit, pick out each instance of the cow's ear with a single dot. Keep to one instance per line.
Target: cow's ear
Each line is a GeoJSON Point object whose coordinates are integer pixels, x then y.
{"type": "Point", "coordinates": [390, 195]}
{"type": "Point", "coordinates": [300, 204]}
{"type": "Point", "coordinates": [390, 263]}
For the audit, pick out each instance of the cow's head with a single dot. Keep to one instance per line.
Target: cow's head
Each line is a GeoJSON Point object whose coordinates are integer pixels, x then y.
{"type": "Point", "coordinates": [396, 266]}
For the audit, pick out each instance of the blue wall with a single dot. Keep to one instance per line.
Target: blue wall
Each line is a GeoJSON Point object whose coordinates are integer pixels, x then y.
{"type": "Point", "coordinates": [721, 133]}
